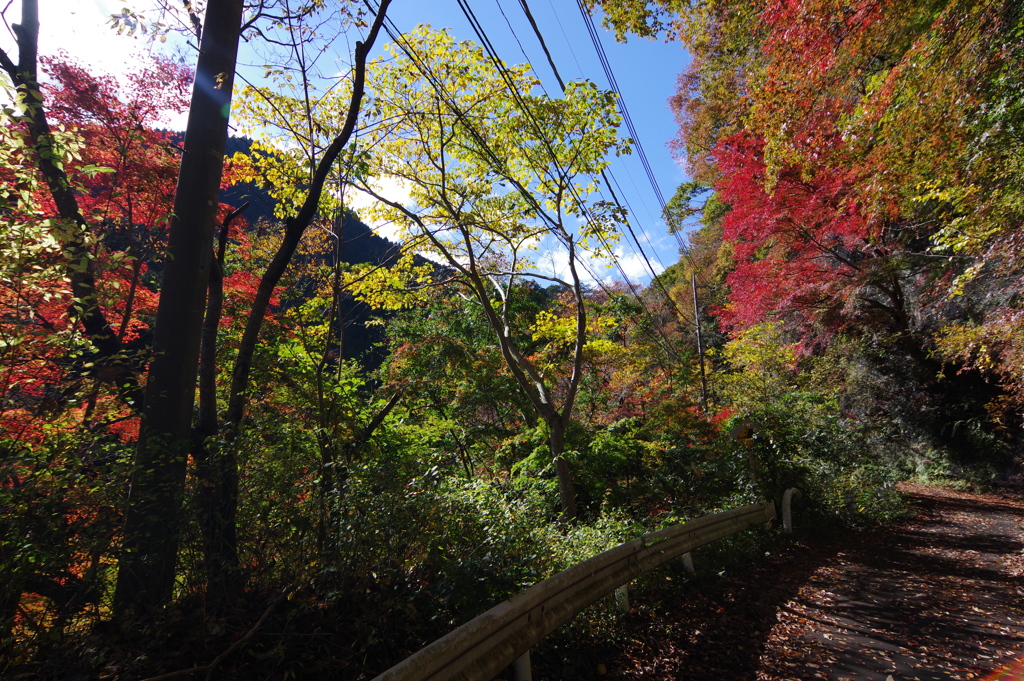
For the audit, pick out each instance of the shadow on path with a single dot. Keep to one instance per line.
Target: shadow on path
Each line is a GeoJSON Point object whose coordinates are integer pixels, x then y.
{"type": "Point", "coordinates": [709, 627]}
{"type": "Point", "coordinates": [938, 597]}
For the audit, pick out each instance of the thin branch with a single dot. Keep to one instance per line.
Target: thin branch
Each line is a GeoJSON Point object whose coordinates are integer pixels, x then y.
{"type": "Point", "coordinates": [196, 23]}
{"type": "Point", "coordinates": [532, 275]}
{"type": "Point", "coordinates": [296, 226]}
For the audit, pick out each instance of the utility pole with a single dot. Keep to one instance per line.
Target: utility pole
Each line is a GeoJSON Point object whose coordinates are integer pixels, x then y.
{"type": "Point", "coordinates": [700, 344]}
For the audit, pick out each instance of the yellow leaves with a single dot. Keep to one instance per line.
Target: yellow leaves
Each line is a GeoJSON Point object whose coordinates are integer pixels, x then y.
{"type": "Point", "coordinates": [759, 348]}
{"type": "Point", "coordinates": [548, 327]}
{"type": "Point", "coordinates": [967, 342]}
{"type": "Point", "coordinates": [243, 168]}
{"type": "Point", "coordinates": [401, 286]}
{"type": "Point", "coordinates": [957, 289]}
{"type": "Point", "coordinates": [935, 190]}
{"type": "Point", "coordinates": [602, 347]}
{"type": "Point", "coordinates": [559, 335]}
{"type": "Point", "coordinates": [461, 136]}
{"type": "Point", "coordinates": [931, 190]}
{"type": "Point", "coordinates": [763, 367]}
{"type": "Point", "coordinates": [993, 345]}
{"type": "Point", "coordinates": [289, 129]}
{"type": "Point", "coordinates": [557, 331]}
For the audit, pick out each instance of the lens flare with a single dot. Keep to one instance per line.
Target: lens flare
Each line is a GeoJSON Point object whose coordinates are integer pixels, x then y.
{"type": "Point", "coordinates": [1011, 672]}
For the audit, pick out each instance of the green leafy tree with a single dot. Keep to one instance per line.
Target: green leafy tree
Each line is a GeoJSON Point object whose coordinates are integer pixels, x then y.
{"type": "Point", "coordinates": [443, 357]}
{"type": "Point", "coordinates": [492, 170]}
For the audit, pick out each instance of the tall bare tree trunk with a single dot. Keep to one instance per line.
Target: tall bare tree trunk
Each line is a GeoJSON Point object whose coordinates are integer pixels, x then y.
{"type": "Point", "coordinates": [220, 542]}
{"type": "Point", "coordinates": [566, 489]}
{"type": "Point", "coordinates": [151, 526]}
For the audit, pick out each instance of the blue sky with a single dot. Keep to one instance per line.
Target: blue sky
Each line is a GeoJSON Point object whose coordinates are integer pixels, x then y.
{"type": "Point", "coordinates": [645, 70]}
{"type": "Point", "coordinates": [646, 73]}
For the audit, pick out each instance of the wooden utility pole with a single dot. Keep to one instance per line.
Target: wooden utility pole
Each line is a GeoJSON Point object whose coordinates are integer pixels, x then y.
{"type": "Point", "coordinates": [700, 344]}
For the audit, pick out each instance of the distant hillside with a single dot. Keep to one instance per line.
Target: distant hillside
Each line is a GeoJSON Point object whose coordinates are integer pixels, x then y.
{"type": "Point", "coordinates": [362, 245]}
{"type": "Point", "coordinates": [359, 245]}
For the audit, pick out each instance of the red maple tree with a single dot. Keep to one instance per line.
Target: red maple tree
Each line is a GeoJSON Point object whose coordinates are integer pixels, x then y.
{"type": "Point", "coordinates": [123, 171]}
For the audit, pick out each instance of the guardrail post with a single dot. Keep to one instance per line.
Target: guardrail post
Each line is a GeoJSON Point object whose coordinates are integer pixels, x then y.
{"type": "Point", "coordinates": [688, 563]}
{"type": "Point", "coordinates": [622, 599]}
{"type": "Point", "coordinates": [787, 509]}
{"type": "Point", "coordinates": [524, 672]}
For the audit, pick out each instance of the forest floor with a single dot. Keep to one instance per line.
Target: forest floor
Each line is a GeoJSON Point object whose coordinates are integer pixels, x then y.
{"type": "Point", "coordinates": [939, 596]}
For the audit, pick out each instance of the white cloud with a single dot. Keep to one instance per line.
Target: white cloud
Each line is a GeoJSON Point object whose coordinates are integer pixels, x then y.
{"type": "Point", "coordinates": [391, 189]}
{"type": "Point", "coordinates": [82, 30]}
{"type": "Point", "coordinates": [554, 261]}
{"type": "Point", "coordinates": [551, 260]}
{"type": "Point", "coordinates": [635, 267]}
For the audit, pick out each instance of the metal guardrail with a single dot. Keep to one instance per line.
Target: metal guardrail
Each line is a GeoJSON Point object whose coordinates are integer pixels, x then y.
{"type": "Point", "coordinates": [487, 644]}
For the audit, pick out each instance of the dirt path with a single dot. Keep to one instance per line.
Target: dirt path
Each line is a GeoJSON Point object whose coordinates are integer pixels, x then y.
{"type": "Point", "coordinates": [938, 597]}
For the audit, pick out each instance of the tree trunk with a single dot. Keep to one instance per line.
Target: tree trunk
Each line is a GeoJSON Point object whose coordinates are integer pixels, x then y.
{"type": "Point", "coordinates": [10, 600]}
{"type": "Point", "coordinates": [566, 491]}
{"type": "Point", "coordinates": [151, 526]}
{"type": "Point", "coordinates": [216, 467]}
{"type": "Point", "coordinates": [295, 227]}
{"type": "Point", "coordinates": [225, 488]}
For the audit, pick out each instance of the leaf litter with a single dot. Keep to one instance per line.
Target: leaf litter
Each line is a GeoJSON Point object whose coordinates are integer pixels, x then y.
{"type": "Point", "coordinates": [936, 597]}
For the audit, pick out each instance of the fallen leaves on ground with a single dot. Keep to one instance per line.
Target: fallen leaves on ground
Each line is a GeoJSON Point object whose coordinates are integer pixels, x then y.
{"type": "Point", "coordinates": [936, 597]}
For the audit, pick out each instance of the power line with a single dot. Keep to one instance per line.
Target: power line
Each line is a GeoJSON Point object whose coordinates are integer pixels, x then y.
{"type": "Point", "coordinates": [620, 102]}
{"type": "Point", "coordinates": [606, 66]}
{"type": "Point", "coordinates": [684, 249]}
{"type": "Point", "coordinates": [524, 4]}
{"type": "Point", "coordinates": [492, 52]}
{"type": "Point", "coordinates": [492, 156]}
{"type": "Point", "coordinates": [629, 207]}
{"type": "Point", "coordinates": [540, 38]}
{"type": "Point", "coordinates": [513, 32]}
{"type": "Point", "coordinates": [568, 43]}
{"type": "Point", "coordinates": [489, 47]}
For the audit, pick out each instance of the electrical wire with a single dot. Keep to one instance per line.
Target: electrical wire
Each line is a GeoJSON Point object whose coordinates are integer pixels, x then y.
{"type": "Point", "coordinates": [684, 248]}
{"type": "Point", "coordinates": [499, 64]}
{"type": "Point", "coordinates": [485, 40]}
{"type": "Point", "coordinates": [620, 102]}
{"type": "Point", "coordinates": [606, 66]}
{"type": "Point", "coordinates": [492, 156]}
